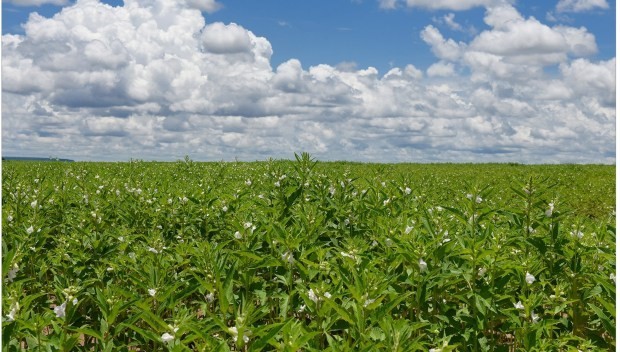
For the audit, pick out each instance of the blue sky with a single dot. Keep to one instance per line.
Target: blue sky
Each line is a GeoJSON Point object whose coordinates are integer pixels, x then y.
{"type": "Point", "coordinates": [408, 80]}
{"type": "Point", "coordinates": [332, 32]}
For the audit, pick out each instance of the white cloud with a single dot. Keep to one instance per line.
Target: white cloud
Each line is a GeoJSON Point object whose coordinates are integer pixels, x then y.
{"type": "Point", "coordinates": [449, 20]}
{"type": "Point", "coordinates": [289, 77]}
{"type": "Point", "coordinates": [152, 80]}
{"type": "Point", "coordinates": [446, 49]}
{"type": "Point", "coordinates": [209, 6]}
{"type": "Point", "coordinates": [455, 5]}
{"type": "Point", "coordinates": [502, 16]}
{"type": "Point", "coordinates": [580, 5]}
{"type": "Point", "coordinates": [387, 4]}
{"type": "Point", "coordinates": [220, 38]}
{"type": "Point", "coordinates": [38, 2]}
{"type": "Point", "coordinates": [527, 41]}
{"type": "Point", "coordinates": [586, 78]}
{"type": "Point", "coordinates": [441, 69]}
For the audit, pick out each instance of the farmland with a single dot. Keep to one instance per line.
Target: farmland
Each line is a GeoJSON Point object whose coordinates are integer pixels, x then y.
{"type": "Point", "coordinates": [307, 256]}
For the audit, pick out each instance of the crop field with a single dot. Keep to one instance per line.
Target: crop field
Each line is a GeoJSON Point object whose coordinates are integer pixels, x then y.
{"type": "Point", "coordinates": [307, 256]}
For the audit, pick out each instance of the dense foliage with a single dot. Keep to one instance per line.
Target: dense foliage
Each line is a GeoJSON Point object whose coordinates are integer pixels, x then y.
{"type": "Point", "coordinates": [300, 255]}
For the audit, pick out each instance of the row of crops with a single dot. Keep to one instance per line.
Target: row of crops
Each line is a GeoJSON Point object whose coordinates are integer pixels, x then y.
{"type": "Point", "coordinates": [307, 256]}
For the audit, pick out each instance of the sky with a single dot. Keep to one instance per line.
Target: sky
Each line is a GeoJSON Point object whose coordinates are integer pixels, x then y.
{"type": "Point", "coordinates": [360, 80]}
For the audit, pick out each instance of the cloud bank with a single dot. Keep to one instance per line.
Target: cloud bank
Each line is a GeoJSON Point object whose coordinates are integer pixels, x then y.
{"type": "Point", "coordinates": [154, 80]}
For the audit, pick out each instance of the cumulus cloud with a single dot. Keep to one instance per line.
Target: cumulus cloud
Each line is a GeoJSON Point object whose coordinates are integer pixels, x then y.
{"type": "Point", "coordinates": [441, 69]}
{"type": "Point", "coordinates": [443, 48]}
{"type": "Point", "coordinates": [220, 38]}
{"type": "Point", "coordinates": [38, 2]}
{"type": "Point", "coordinates": [387, 4]}
{"type": "Point", "coordinates": [514, 47]}
{"type": "Point", "coordinates": [209, 6]}
{"type": "Point", "coordinates": [591, 79]}
{"type": "Point", "coordinates": [449, 20]}
{"type": "Point", "coordinates": [529, 41]}
{"type": "Point", "coordinates": [580, 5]}
{"type": "Point", "coordinates": [456, 5]}
{"type": "Point", "coordinates": [154, 80]}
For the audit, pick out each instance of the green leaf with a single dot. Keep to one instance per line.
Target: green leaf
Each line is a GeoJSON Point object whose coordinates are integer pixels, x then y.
{"type": "Point", "coordinates": [376, 334]}
{"type": "Point", "coordinates": [266, 333]}
{"type": "Point", "coordinates": [607, 323]}
{"type": "Point", "coordinates": [342, 313]}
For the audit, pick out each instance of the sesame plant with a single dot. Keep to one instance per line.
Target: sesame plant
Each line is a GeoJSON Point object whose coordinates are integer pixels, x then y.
{"type": "Point", "coordinates": [307, 256]}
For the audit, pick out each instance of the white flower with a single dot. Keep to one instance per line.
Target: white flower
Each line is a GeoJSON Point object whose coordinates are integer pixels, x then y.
{"type": "Point", "coordinates": [238, 235]}
{"type": "Point", "coordinates": [519, 305]}
{"type": "Point", "coordinates": [13, 312]}
{"type": "Point", "coordinates": [302, 308]}
{"type": "Point", "coordinates": [388, 242]}
{"type": "Point", "coordinates": [612, 277]}
{"type": "Point", "coordinates": [408, 229]}
{"type": "Point", "coordinates": [277, 184]}
{"type": "Point", "coordinates": [469, 196]}
{"type": "Point", "coordinates": [60, 310]}
{"type": "Point", "coordinates": [478, 199]}
{"type": "Point", "coordinates": [529, 278]}
{"type": "Point", "coordinates": [9, 218]}
{"type": "Point", "coordinates": [247, 225]}
{"type": "Point", "coordinates": [386, 202]}
{"type": "Point", "coordinates": [248, 182]}
{"type": "Point", "coordinates": [327, 295]}
{"type": "Point", "coordinates": [13, 272]}
{"type": "Point", "coordinates": [423, 265]}
{"type": "Point", "coordinates": [224, 209]}
{"type": "Point", "coordinates": [210, 297]}
{"type": "Point", "coordinates": [75, 301]}
{"type": "Point", "coordinates": [30, 230]}
{"type": "Point", "coordinates": [481, 272]}
{"type": "Point", "coordinates": [534, 317]}
{"type": "Point", "coordinates": [288, 257]}
{"type": "Point", "coordinates": [332, 190]}
{"type": "Point", "coordinates": [313, 297]}
{"type": "Point", "coordinates": [407, 190]}
{"type": "Point", "coordinates": [132, 255]}
{"type": "Point", "coordinates": [152, 292]}
{"type": "Point", "coordinates": [549, 211]}
{"type": "Point", "coordinates": [235, 332]}
{"type": "Point", "coordinates": [368, 302]}
{"type": "Point", "coordinates": [166, 337]}
{"type": "Point", "coordinates": [153, 250]}
{"type": "Point", "coordinates": [577, 234]}
{"type": "Point", "coordinates": [347, 255]}
{"type": "Point", "coordinates": [33, 204]}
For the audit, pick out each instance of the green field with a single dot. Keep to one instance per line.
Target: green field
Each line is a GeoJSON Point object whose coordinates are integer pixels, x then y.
{"type": "Point", "coordinates": [307, 256]}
